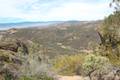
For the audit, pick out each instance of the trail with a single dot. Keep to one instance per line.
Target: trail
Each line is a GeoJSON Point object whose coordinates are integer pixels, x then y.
{"type": "Point", "coordinates": [71, 78]}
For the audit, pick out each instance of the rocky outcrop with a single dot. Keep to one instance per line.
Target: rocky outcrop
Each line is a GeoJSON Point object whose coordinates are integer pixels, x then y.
{"type": "Point", "coordinates": [113, 75]}
{"type": "Point", "coordinates": [12, 31]}
{"type": "Point", "coordinates": [13, 46]}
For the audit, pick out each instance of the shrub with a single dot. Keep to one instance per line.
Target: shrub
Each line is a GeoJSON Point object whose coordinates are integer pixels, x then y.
{"type": "Point", "coordinates": [98, 64]}
{"type": "Point", "coordinates": [68, 64]}
{"type": "Point", "coordinates": [115, 61]}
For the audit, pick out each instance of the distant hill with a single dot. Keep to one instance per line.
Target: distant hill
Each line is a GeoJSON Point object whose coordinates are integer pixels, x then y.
{"type": "Point", "coordinates": [4, 26]}
{"type": "Point", "coordinates": [59, 38]}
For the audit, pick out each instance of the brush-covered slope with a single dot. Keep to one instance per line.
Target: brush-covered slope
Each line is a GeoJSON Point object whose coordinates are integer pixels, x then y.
{"type": "Point", "coordinates": [61, 38]}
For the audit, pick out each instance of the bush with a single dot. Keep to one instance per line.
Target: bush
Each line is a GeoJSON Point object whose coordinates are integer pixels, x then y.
{"type": "Point", "coordinates": [68, 64]}
{"type": "Point", "coordinates": [98, 64]}
{"type": "Point", "coordinates": [115, 60]}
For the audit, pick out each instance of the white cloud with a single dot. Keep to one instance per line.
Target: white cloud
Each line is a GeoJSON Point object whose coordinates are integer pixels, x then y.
{"type": "Point", "coordinates": [32, 10]}
{"type": "Point", "coordinates": [79, 11]}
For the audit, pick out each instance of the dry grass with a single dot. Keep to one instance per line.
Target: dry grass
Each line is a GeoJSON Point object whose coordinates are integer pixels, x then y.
{"type": "Point", "coordinates": [68, 64]}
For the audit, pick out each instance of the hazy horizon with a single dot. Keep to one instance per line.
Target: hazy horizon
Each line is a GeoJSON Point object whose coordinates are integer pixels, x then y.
{"type": "Point", "coordinates": [5, 26]}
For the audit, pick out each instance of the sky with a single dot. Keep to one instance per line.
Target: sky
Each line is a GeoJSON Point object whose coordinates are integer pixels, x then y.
{"type": "Point", "coordinates": [53, 10]}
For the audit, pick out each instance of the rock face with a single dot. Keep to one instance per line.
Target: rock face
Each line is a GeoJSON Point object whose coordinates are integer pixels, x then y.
{"type": "Point", "coordinates": [12, 31]}
{"type": "Point", "coordinates": [9, 46]}
{"type": "Point", "coordinates": [113, 75]}
{"type": "Point", "coordinates": [13, 46]}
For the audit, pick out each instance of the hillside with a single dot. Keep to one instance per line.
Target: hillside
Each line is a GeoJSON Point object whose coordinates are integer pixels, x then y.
{"type": "Point", "coordinates": [60, 38]}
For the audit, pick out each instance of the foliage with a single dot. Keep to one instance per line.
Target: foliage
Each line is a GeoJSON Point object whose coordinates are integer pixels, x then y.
{"type": "Point", "coordinates": [25, 78]}
{"type": "Point", "coordinates": [110, 33]}
{"type": "Point", "coordinates": [96, 63]}
{"type": "Point", "coordinates": [34, 48]}
{"type": "Point", "coordinates": [117, 4]}
{"type": "Point", "coordinates": [115, 61]}
{"type": "Point", "coordinates": [68, 64]}
{"type": "Point", "coordinates": [111, 25]}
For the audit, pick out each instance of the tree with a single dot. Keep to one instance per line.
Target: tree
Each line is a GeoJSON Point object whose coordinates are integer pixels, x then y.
{"type": "Point", "coordinates": [109, 31]}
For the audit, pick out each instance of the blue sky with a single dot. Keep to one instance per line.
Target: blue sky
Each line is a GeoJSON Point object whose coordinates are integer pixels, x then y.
{"type": "Point", "coordinates": [53, 10]}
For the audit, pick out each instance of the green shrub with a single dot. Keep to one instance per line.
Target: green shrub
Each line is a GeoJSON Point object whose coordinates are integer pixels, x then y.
{"type": "Point", "coordinates": [94, 63]}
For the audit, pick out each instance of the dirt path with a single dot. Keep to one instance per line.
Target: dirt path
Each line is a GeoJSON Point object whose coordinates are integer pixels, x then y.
{"type": "Point", "coordinates": [71, 78]}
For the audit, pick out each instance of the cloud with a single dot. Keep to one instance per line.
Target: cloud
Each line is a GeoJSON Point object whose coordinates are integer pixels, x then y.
{"type": "Point", "coordinates": [80, 11]}
{"type": "Point", "coordinates": [47, 10]}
